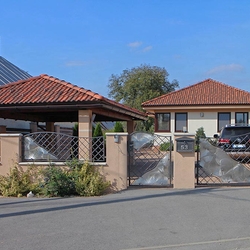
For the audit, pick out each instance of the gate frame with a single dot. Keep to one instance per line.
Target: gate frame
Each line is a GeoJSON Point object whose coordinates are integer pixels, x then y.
{"type": "Point", "coordinates": [131, 158]}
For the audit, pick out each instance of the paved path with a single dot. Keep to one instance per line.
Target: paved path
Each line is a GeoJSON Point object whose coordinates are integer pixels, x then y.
{"type": "Point", "coordinates": [204, 218]}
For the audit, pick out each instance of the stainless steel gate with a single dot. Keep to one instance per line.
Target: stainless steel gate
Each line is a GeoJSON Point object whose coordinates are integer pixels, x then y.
{"type": "Point", "coordinates": [216, 166]}
{"type": "Point", "coordinates": [150, 160]}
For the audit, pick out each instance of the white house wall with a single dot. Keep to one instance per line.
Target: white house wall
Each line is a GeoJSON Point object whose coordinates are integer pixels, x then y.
{"type": "Point", "coordinates": [198, 119]}
{"type": "Point", "coordinates": [207, 120]}
{"type": "Point", "coordinates": [10, 123]}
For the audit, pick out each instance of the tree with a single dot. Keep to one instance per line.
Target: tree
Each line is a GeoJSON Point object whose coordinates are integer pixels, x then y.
{"type": "Point", "coordinates": [118, 127]}
{"type": "Point", "coordinates": [98, 130]}
{"type": "Point", "coordinates": [98, 143]}
{"type": "Point", "coordinates": [200, 133]}
{"type": "Point", "coordinates": [137, 85]}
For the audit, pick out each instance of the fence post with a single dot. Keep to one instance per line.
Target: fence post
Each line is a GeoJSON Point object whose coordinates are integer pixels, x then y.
{"type": "Point", "coordinates": [11, 151]}
{"type": "Point", "coordinates": [85, 134]}
{"type": "Point", "coordinates": [116, 159]}
{"type": "Point", "coordinates": [184, 161]}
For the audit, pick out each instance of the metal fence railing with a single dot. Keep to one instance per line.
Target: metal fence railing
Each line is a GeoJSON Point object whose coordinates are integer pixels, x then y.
{"type": "Point", "coordinates": [50, 146]}
{"type": "Point", "coordinates": [222, 165]}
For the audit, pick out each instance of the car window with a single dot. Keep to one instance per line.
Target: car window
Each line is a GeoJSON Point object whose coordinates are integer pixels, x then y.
{"type": "Point", "coordinates": [235, 131]}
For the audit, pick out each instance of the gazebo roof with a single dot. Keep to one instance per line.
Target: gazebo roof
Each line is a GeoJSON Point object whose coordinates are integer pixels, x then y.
{"type": "Point", "coordinates": [45, 98]}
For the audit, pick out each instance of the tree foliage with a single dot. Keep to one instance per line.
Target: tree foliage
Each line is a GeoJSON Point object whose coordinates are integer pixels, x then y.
{"type": "Point", "coordinates": [200, 133]}
{"type": "Point", "coordinates": [137, 85]}
{"type": "Point", "coordinates": [98, 130]}
{"type": "Point", "coordinates": [118, 127]}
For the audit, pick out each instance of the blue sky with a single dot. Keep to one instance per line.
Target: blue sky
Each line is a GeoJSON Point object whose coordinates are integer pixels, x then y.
{"type": "Point", "coordinates": [84, 42]}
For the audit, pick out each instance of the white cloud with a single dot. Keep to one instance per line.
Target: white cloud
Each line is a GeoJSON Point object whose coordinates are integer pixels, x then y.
{"type": "Point", "coordinates": [135, 44]}
{"type": "Point", "coordinates": [148, 48]}
{"type": "Point", "coordinates": [226, 68]}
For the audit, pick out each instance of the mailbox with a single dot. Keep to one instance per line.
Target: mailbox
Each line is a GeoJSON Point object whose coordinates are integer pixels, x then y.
{"type": "Point", "coordinates": [185, 144]}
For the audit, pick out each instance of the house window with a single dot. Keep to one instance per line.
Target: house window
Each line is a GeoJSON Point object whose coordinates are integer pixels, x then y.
{"type": "Point", "coordinates": [181, 122]}
{"type": "Point", "coordinates": [162, 122]}
{"type": "Point", "coordinates": [241, 118]}
{"type": "Point", "coordinates": [223, 120]}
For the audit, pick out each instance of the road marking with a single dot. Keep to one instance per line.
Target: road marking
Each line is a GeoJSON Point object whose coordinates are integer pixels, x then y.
{"type": "Point", "coordinates": [190, 244]}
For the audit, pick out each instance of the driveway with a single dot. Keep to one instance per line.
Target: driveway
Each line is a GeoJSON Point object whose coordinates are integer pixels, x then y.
{"type": "Point", "coordinates": [152, 218]}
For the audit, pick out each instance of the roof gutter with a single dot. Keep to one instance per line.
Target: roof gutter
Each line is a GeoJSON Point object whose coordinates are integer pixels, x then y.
{"type": "Point", "coordinates": [121, 110]}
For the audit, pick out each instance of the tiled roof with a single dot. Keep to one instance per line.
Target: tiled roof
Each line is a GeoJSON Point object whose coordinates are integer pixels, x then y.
{"type": "Point", "coordinates": [44, 90]}
{"type": "Point", "coordinates": [207, 92]}
{"type": "Point", "coordinates": [11, 73]}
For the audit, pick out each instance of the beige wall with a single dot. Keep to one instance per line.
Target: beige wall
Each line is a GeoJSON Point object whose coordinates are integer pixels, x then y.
{"type": "Point", "coordinates": [114, 170]}
{"type": "Point", "coordinates": [10, 151]}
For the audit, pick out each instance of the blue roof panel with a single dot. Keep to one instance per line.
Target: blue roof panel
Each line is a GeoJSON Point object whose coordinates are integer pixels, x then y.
{"type": "Point", "coordinates": [11, 73]}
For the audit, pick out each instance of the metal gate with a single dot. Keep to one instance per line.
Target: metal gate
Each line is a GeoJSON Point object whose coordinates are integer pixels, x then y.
{"type": "Point", "coordinates": [150, 160]}
{"type": "Point", "coordinates": [215, 166]}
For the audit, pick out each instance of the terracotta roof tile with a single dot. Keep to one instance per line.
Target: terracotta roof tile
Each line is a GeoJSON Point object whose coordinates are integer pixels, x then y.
{"type": "Point", "coordinates": [207, 92]}
{"type": "Point", "coordinates": [46, 89]}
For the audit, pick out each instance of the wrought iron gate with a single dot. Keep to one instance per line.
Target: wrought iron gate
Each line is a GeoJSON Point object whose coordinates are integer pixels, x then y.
{"type": "Point", "coordinates": [149, 160]}
{"type": "Point", "coordinates": [218, 167]}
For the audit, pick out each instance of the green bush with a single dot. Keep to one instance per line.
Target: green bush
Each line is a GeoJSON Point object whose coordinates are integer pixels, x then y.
{"type": "Point", "coordinates": [76, 179]}
{"type": "Point", "coordinates": [166, 146]}
{"type": "Point", "coordinates": [98, 130]}
{"type": "Point", "coordinates": [118, 127]}
{"type": "Point", "coordinates": [57, 182]}
{"type": "Point", "coordinates": [19, 183]}
{"type": "Point", "coordinates": [89, 182]}
{"type": "Point", "coordinates": [200, 133]}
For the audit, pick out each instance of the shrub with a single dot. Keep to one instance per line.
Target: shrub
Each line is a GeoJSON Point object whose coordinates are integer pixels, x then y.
{"type": "Point", "coordinates": [57, 182]}
{"type": "Point", "coordinates": [166, 146]}
{"type": "Point", "coordinates": [19, 183]}
{"type": "Point", "coordinates": [200, 133]}
{"type": "Point", "coordinates": [89, 182]}
{"type": "Point", "coordinates": [76, 179]}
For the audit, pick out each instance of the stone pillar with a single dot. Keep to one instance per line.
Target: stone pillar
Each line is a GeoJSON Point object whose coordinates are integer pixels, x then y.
{"type": "Point", "coordinates": [57, 128]}
{"type": "Point", "coordinates": [130, 127]}
{"type": "Point", "coordinates": [184, 164]}
{"type": "Point", "coordinates": [33, 127]}
{"type": "Point", "coordinates": [10, 151]}
{"type": "Point", "coordinates": [117, 160]}
{"type": "Point", "coordinates": [85, 134]}
{"type": "Point", "coordinates": [50, 127]}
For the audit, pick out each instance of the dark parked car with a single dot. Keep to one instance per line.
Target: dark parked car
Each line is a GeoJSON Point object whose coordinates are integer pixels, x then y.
{"type": "Point", "coordinates": [234, 138]}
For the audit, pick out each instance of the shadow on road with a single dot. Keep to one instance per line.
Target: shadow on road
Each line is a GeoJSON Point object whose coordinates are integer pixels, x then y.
{"type": "Point", "coordinates": [85, 202]}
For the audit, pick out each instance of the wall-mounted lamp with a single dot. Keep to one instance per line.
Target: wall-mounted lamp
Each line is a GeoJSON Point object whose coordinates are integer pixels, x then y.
{"type": "Point", "coordinates": [116, 138]}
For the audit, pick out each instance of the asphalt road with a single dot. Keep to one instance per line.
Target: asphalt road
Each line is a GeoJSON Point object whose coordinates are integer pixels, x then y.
{"type": "Point", "coordinates": [204, 218]}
